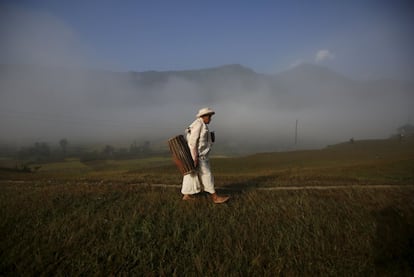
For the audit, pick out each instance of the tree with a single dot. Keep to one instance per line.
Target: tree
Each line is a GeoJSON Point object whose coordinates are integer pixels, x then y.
{"type": "Point", "coordinates": [40, 151]}
{"type": "Point", "coordinates": [108, 150]}
{"type": "Point", "coordinates": [146, 147]}
{"type": "Point", "coordinates": [140, 150]}
{"type": "Point", "coordinates": [64, 144]}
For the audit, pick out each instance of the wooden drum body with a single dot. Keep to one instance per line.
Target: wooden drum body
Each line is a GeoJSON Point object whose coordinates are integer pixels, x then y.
{"type": "Point", "coordinates": [181, 154]}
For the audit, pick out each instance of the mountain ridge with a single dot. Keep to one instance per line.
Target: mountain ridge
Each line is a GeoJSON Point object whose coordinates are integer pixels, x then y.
{"type": "Point", "coordinates": [303, 68]}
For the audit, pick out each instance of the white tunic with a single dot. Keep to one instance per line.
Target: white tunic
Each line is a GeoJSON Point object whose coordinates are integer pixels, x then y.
{"type": "Point", "coordinates": [199, 139]}
{"type": "Point", "coordinates": [200, 143]}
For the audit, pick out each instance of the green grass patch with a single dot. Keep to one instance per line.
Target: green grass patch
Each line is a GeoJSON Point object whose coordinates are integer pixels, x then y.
{"type": "Point", "coordinates": [364, 162]}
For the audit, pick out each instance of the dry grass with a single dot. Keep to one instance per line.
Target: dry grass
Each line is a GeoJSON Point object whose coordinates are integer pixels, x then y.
{"type": "Point", "coordinates": [103, 229]}
{"type": "Point", "coordinates": [91, 220]}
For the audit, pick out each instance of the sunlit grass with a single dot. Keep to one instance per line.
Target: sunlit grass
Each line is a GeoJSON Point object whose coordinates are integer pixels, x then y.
{"type": "Point", "coordinates": [365, 162]}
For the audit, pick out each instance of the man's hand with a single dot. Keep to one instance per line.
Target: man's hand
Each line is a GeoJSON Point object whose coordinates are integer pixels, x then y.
{"type": "Point", "coordinates": [194, 155]}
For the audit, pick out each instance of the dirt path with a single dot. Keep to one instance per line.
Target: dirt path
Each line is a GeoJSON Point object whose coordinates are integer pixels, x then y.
{"type": "Point", "coordinates": [294, 187]}
{"type": "Point", "coordinates": [280, 188]}
{"type": "Point", "coordinates": [337, 187]}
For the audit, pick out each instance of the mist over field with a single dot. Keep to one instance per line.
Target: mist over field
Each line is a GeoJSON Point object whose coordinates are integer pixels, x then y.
{"type": "Point", "coordinates": [50, 89]}
{"type": "Point", "coordinates": [43, 103]}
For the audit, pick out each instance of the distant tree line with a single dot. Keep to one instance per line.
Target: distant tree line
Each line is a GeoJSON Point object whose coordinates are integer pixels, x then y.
{"type": "Point", "coordinates": [110, 152]}
{"type": "Point", "coordinates": [45, 152]}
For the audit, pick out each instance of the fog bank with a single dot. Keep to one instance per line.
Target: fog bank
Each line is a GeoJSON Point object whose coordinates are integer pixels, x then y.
{"type": "Point", "coordinates": [50, 89]}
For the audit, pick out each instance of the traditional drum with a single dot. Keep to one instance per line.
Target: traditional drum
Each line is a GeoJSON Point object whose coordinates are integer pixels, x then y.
{"type": "Point", "coordinates": [181, 154]}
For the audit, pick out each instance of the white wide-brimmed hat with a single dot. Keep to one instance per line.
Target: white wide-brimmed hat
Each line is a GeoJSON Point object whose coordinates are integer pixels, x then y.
{"type": "Point", "coordinates": [205, 111]}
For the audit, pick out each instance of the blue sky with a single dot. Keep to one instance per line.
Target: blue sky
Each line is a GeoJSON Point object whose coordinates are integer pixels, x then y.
{"type": "Point", "coordinates": [362, 39]}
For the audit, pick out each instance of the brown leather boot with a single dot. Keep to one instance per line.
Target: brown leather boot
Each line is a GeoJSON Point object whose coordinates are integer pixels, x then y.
{"type": "Point", "coordinates": [219, 199]}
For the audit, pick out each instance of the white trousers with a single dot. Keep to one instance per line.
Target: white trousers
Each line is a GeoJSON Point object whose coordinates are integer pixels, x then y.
{"type": "Point", "coordinates": [200, 180]}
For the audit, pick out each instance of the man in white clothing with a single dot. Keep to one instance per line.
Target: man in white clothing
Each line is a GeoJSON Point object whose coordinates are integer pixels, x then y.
{"type": "Point", "coordinates": [200, 141]}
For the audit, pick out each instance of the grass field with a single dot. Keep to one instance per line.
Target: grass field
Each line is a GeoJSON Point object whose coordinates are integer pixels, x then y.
{"type": "Point", "coordinates": [100, 218]}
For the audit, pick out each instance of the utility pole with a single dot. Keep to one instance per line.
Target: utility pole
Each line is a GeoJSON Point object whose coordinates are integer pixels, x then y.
{"type": "Point", "coordinates": [296, 132]}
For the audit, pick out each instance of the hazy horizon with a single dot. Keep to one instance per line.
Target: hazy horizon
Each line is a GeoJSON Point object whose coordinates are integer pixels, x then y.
{"type": "Point", "coordinates": [47, 105]}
